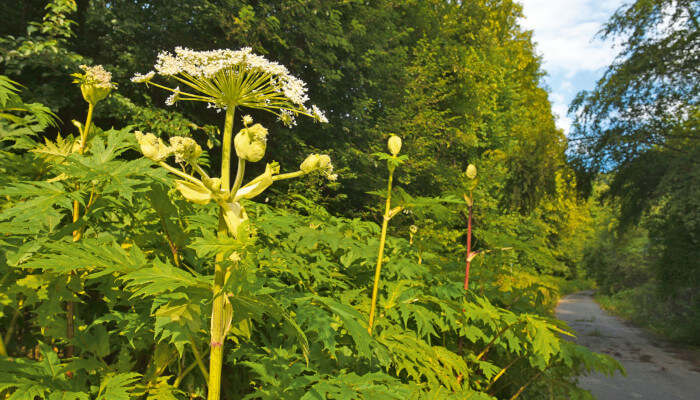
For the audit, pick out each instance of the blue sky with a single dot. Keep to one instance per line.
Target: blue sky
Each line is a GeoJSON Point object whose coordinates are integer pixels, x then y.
{"type": "Point", "coordinates": [564, 33]}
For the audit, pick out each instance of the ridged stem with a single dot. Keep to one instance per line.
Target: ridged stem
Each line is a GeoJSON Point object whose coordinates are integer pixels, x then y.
{"type": "Point", "coordinates": [382, 241]}
{"type": "Point", "coordinates": [216, 356]}
{"type": "Point", "coordinates": [77, 235]}
{"type": "Point", "coordinates": [469, 250]}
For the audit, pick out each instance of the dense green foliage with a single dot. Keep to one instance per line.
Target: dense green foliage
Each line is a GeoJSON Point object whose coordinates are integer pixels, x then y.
{"type": "Point", "coordinates": [640, 125]}
{"type": "Point", "coordinates": [135, 266]}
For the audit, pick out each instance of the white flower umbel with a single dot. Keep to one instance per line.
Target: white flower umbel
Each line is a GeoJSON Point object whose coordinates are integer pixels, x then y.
{"type": "Point", "coordinates": [139, 78]}
{"type": "Point", "coordinates": [234, 78]}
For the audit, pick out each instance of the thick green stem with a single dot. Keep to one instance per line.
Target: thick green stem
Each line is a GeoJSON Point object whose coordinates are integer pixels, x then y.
{"type": "Point", "coordinates": [382, 241]}
{"type": "Point", "coordinates": [226, 149]}
{"type": "Point", "coordinates": [491, 343]}
{"type": "Point", "coordinates": [77, 235]}
{"type": "Point", "coordinates": [218, 336]}
{"type": "Point", "coordinates": [11, 328]}
{"type": "Point", "coordinates": [199, 169]}
{"type": "Point", "coordinates": [190, 367]}
{"type": "Point", "coordinates": [86, 129]}
{"type": "Point", "coordinates": [503, 371]}
{"type": "Point", "coordinates": [3, 351]}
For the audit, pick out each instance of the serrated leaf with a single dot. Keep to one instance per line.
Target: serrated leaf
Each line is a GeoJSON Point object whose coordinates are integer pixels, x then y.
{"type": "Point", "coordinates": [162, 277]}
{"type": "Point", "coordinates": [350, 318]}
{"type": "Point", "coordinates": [117, 386]}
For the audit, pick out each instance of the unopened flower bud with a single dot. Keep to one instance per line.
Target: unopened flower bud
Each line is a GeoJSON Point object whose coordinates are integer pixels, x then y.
{"type": "Point", "coordinates": [471, 171]}
{"type": "Point", "coordinates": [394, 145]}
{"type": "Point", "coordinates": [185, 149]}
{"type": "Point", "coordinates": [213, 184]}
{"type": "Point", "coordinates": [250, 143]}
{"type": "Point", "coordinates": [152, 146]}
{"type": "Point", "coordinates": [413, 229]}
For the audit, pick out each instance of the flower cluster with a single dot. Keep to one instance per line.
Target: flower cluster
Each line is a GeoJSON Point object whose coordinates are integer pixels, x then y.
{"type": "Point", "coordinates": [97, 76]}
{"type": "Point", "coordinates": [140, 78]}
{"type": "Point", "coordinates": [153, 148]}
{"type": "Point", "coordinates": [185, 149]}
{"type": "Point", "coordinates": [95, 83]}
{"type": "Point", "coordinates": [320, 162]}
{"type": "Point", "coordinates": [234, 78]}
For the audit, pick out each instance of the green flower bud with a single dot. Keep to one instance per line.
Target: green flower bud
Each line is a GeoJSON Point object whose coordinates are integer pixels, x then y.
{"type": "Point", "coordinates": [250, 143]}
{"type": "Point", "coordinates": [152, 147]}
{"type": "Point", "coordinates": [394, 145]}
{"type": "Point", "coordinates": [471, 171]}
{"type": "Point", "coordinates": [185, 149]}
{"type": "Point", "coordinates": [213, 184]}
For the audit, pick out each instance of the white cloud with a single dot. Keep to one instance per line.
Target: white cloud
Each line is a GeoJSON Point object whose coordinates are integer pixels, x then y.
{"type": "Point", "coordinates": [564, 32]}
{"type": "Point", "coordinates": [559, 108]}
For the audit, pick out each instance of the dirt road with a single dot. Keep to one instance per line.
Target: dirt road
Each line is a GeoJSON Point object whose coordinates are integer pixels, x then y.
{"type": "Point", "coordinates": [655, 370]}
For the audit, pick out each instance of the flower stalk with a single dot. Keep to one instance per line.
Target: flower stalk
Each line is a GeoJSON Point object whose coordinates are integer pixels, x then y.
{"type": "Point", "coordinates": [228, 79]}
{"type": "Point", "coordinates": [394, 145]}
{"type": "Point", "coordinates": [469, 247]}
{"type": "Point", "coordinates": [471, 182]}
{"type": "Point", "coordinates": [382, 241]}
{"type": "Point", "coordinates": [95, 85]}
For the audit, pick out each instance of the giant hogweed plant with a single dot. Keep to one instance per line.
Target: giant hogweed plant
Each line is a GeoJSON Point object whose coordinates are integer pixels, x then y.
{"type": "Point", "coordinates": [228, 80]}
{"type": "Point", "coordinates": [68, 203]}
{"type": "Point", "coordinates": [141, 273]}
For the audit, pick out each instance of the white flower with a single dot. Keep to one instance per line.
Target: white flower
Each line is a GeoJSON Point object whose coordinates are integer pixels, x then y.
{"type": "Point", "coordinates": [97, 76]}
{"type": "Point", "coordinates": [95, 83]}
{"type": "Point", "coordinates": [318, 114]}
{"type": "Point", "coordinates": [237, 78]}
{"type": "Point", "coordinates": [139, 78]}
{"type": "Point", "coordinates": [287, 118]}
{"type": "Point", "coordinates": [173, 98]}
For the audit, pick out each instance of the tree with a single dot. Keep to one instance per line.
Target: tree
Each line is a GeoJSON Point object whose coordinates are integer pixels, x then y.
{"type": "Point", "coordinates": [640, 124]}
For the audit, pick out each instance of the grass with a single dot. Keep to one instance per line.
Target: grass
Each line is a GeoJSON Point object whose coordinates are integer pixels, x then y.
{"type": "Point", "coordinates": [643, 307]}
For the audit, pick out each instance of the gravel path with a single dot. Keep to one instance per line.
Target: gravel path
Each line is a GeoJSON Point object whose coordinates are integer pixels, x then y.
{"type": "Point", "coordinates": [655, 370]}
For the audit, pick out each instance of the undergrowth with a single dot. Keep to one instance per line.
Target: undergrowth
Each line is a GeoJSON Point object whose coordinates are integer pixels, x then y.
{"type": "Point", "coordinates": [107, 270]}
{"type": "Point", "coordinates": [643, 307]}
